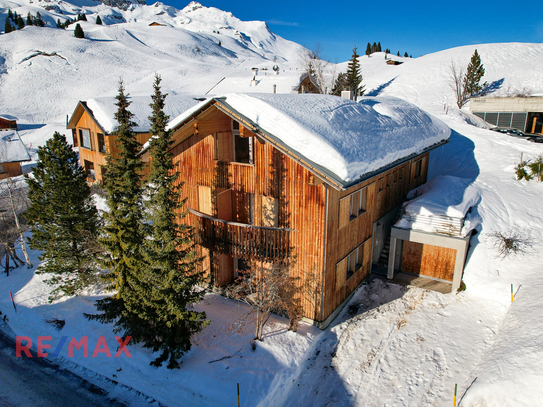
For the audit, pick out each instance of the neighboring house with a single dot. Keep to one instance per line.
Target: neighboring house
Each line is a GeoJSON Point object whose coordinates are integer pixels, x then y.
{"type": "Point", "coordinates": [8, 122]}
{"type": "Point", "coordinates": [314, 178]}
{"type": "Point", "coordinates": [308, 84]}
{"type": "Point", "coordinates": [392, 62]}
{"type": "Point", "coordinates": [155, 24]}
{"type": "Point", "coordinates": [522, 113]}
{"type": "Point", "coordinates": [12, 153]}
{"type": "Point", "coordinates": [93, 122]}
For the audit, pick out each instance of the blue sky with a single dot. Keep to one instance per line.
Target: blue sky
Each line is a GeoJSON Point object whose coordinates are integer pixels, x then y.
{"type": "Point", "coordinates": [418, 27]}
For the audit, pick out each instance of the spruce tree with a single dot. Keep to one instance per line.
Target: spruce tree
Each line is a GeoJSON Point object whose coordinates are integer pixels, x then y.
{"type": "Point", "coordinates": [354, 77]}
{"type": "Point", "coordinates": [78, 32]}
{"type": "Point", "coordinates": [8, 27]}
{"type": "Point", "coordinates": [340, 84]}
{"type": "Point", "coordinates": [169, 251]}
{"type": "Point", "coordinates": [20, 23]}
{"type": "Point", "coordinates": [378, 47]}
{"type": "Point", "coordinates": [63, 218]}
{"type": "Point", "coordinates": [368, 49]}
{"type": "Point", "coordinates": [59, 24]}
{"type": "Point", "coordinates": [83, 17]}
{"type": "Point", "coordinates": [406, 55]}
{"type": "Point", "coordinates": [10, 14]}
{"type": "Point", "coordinates": [373, 48]}
{"type": "Point", "coordinates": [39, 20]}
{"type": "Point", "coordinates": [29, 19]}
{"type": "Point", "coordinates": [474, 74]}
{"type": "Point", "coordinates": [98, 20]}
{"type": "Point", "coordinates": [123, 231]}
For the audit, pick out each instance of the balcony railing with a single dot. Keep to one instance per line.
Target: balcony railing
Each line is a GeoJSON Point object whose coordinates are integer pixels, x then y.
{"type": "Point", "coordinates": [241, 240]}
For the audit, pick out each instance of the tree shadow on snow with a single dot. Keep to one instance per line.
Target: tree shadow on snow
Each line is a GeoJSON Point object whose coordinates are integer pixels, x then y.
{"type": "Point", "coordinates": [379, 89]}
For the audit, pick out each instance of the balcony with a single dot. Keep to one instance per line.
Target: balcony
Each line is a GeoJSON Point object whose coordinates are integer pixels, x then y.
{"type": "Point", "coordinates": [241, 240]}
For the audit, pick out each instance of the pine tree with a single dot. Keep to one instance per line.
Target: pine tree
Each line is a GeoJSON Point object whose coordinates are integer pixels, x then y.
{"type": "Point", "coordinates": [98, 20]}
{"type": "Point", "coordinates": [368, 49]}
{"type": "Point", "coordinates": [398, 54]}
{"type": "Point", "coordinates": [59, 24]}
{"type": "Point", "coordinates": [10, 14]}
{"type": "Point", "coordinates": [474, 74]}
{"type": "Point", "coordinates": [63, 218]}
{"type": "Point", "coordinates": [29, 19]}
{"type": "Point", "coordinates": [373, 48]}
{"type": "Point", "coordinates": [123, 231]}
{"type": "Point", "coordinates": [378, 47]}
{"type": "Point", "coordinates": [354, 77]}
{"type": "Point", "coordinates": [168, 252]}
{"type": "Point", "coordinates": [78, 32]}
{"type": "Point", "coordinates": [406, 55]}
{"type": "Point", "coordinates": [20, 23]}
{"type": "Point", "coordinates": [340, 84]}
{"type": "Point", "coordinates": [39, 20]}
{"type": "Point", "coordinates": [8, 27]}
{"type": "Point", "coordinates": [83, 17]}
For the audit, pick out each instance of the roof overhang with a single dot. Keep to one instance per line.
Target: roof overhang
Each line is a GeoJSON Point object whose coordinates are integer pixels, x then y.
{"type": "Point", "coordinates": [78, 112]}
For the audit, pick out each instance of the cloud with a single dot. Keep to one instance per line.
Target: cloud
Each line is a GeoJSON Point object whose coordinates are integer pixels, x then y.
{"type": "Point", "coordinates": [279, 22]}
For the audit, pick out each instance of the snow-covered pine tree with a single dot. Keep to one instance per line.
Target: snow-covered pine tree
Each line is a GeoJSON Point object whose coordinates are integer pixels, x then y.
{"type": "Point", "coordinates": [123, 230]}
{"type": "Point", "coordinates": [169, 251]}
{"type": "Point", "coordinates": [63, 218]}
{"type": "Point", "coordinates": [474, 74]}
{"type": "Point", "coordinates": [29, 19]}
{"type": "Point", "coordinates": [78, 32]}
{"type": "Point", "coordinates": [354, 77]}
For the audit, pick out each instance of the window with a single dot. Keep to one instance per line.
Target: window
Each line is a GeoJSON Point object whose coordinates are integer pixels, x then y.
{"type": "Point", "coordinates": [394, 177]}
{"type": "Point", "coordinates": [243, 146]}
{"type": "Point", "coordinates": [389, 180]}
{"type": "Point", "coordinates": [1, 169]}
{"type": "Point", "coordinates": [101, 143]}
{"type": "Point", "coordinates": [349, 265]}
{"type": "Point", "coordinates": [89, 169]}
{"type": "Point", "coordinates": [417, 169]}
{"type": "Point", "coordinates": [381, 184]}
{"type": "Point", "coordinates": [85, 138]}
{"type": "Point", "coordinates": [400, 173]}
{"type": "Point", "coordinates": [353, 206]}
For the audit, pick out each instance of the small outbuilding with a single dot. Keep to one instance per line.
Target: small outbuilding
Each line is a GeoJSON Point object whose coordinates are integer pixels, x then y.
{"type": "Point", "coordinates": [431, 239]}
{"type": "Point", "coordinates": [12, 153]}
{"type": "Point", "coordinates": [8, 122]}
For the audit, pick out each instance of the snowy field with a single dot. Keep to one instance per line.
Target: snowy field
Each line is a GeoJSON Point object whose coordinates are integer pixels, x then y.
{"type": "Point", "coordinates": [390, 346]}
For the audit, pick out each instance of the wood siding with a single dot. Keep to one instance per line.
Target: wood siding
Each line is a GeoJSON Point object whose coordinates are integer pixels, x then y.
{"type": "Point", "coordinates": [428, 260]}
{"type": "Point", "coordinates": [300, 205]}
{"type": "Point", "coordinates": [10, 170]}
{"type": "Point", "coordinates": [93, 155]}
{"type": "Point", "coordinates": [384, 192]}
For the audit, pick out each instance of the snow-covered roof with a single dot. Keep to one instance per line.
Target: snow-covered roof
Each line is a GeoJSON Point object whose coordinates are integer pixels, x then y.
{"type": "Point", "coordinates": [12, 149]}
{"type": "Point", "coordinates": [346, 140]}
{"type": "Point", "coordinates": [445, 200]}
{"type": "Point", "coordinates": [7, 117]}
{"type": "Point", "coordinates": [104, 109]}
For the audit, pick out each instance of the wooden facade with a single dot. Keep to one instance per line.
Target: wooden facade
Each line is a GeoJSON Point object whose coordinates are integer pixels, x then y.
{"type": "Point", "coordinates": [94, 143]}
{"type": "Point", "coordinates": [8, 123]}
{"type": "Point", "coordinates": [273, 206]}
{"type": "Point", "coordinates": [8, 170]}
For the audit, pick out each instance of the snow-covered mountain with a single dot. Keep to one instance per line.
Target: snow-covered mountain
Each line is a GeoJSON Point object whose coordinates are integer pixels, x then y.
{"type": "Point", "coordinates": [45, 71]}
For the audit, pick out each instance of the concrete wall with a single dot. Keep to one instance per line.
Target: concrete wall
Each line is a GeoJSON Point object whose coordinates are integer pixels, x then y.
{"type": "Point", "coordinates": [506, 104]}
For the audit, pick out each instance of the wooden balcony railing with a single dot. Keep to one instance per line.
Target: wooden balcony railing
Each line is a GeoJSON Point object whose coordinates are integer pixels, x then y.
{"type": "Point", "coordinates": [239, 239]}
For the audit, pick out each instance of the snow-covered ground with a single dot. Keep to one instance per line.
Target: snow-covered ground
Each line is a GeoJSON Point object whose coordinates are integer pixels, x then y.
{"type": "Point", "coordinates": [390, 346]}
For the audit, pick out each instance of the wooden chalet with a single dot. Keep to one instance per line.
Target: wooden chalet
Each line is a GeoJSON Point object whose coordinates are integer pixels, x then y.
{"type": "Point", "coordinates": [8, 122]}
{"type": "Point", "coordinates": [261, 184]}
{"type": "Point", "coordinates": [308, 84]}
{"type": "Point", "coordinates": [12, 153]}
{"type": "Point", "coordinates": [92, 124]}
